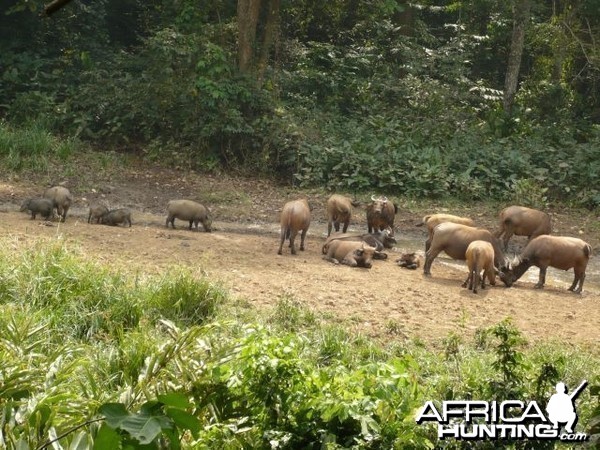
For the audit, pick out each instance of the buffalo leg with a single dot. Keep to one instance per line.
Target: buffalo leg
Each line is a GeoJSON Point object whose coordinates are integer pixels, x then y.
{"type": "Point", "coordinates": [429, 257]}
{"type": "Point", "coordinates": [466, 282]}
{"type": "Point", "coordinates": [577, 285]}
{"type": "Point", "coordinates": [580, 288]}
{"type": "Point", "coordinates": [292, 243]}
{"type": "Point", "coordinates": [346, 223]}
{"type": "Point", "coordinates": [329, 228]}
{"type": "Point", "coordinates": [542, 279]}
{"type": "Point", "coordinates": [303, 237]}
{"type": "Point", "coordinates": [427, 245]}
{"type": "Point", "coordinates": [507, 235]}
{"type": "Point", "coordinates": [475, 280]}
{"type": "Point", "coordinates": [283, 233]}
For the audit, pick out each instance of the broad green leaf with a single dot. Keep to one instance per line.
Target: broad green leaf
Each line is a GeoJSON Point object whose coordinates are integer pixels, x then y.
{"type": "Point", "coordinates": [145, 428]}
{"type": "Point", "coordinates": [184, 420]}
{"type": "Point", "coordinates": [114, 413]}
{"type": "Point", "coordinates": [175, 399]}
{"type": "Point", "coordinates": [107, 439]}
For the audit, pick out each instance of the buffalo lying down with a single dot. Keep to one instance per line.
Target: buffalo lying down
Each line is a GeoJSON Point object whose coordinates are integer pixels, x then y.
{"type": "Point", "coordinates": [379, 241]}
{"type": "Point", "coordinates": [353, 254]}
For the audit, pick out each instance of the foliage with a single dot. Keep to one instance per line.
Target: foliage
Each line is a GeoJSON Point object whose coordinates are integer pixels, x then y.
{"type": "Point", "coordinates": [289, 381]}
{"type": "Point", "coordinates": [377, 96]}
{"type": "Point", "coordinates": [32, 147]}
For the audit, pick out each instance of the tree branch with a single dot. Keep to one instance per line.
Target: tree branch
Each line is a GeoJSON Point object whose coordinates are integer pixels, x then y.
{"type": "Point", "coordinates": [69, 431]}
{"type": "Point", "coordinates": [54, 6]}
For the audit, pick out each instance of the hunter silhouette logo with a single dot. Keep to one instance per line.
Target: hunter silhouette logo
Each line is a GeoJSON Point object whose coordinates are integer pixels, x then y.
{"type": "Point", "coordinates": [561, 407]}
{"type": "Point", "coordinates": [510, 419]}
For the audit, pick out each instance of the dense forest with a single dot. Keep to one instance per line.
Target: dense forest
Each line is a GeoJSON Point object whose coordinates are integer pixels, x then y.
{"type": "Point", "coordinates": [475, 98]}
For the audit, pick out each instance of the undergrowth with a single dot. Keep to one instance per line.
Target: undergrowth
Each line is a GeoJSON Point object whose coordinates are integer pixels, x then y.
{"type": "Point", "coordinates": [94, 358]}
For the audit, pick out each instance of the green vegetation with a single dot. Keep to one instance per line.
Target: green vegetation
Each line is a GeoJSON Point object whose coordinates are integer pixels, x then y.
{"type": "Point", "coordinates": [410, 99]}
{"type": "Point", "coordinates": [99, 358]}
{"type": "Point", "coordinates": [399, 97]}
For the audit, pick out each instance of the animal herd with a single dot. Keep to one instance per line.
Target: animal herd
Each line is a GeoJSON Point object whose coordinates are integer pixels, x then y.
{"type": "Point", "coordinates": [59, 198]}
{"type": "Point", "coordinates": [457, 236]}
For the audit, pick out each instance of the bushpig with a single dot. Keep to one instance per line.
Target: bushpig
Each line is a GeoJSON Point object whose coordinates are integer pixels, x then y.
{"type": "Point", "coordinates": [295, 218]}
{"type": "Point", "coordinates": [61, 199]}
{"type": "Point", "coordinates": [191, 211]}
{"type": "Point", "coordinates": [116, 217]}
{"type": "Point", "coordinates": [39, 205]}
{"type": "Point", "coordinates": [96, 213]}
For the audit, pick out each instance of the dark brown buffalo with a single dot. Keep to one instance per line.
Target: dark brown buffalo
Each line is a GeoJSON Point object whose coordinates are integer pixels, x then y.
{"type": "Point", "coordinates": [380, 214]}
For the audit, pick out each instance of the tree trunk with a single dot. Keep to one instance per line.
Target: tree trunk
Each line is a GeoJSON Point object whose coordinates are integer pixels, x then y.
{"type": "Point", "coordinates": [247, 20]}
{"type": "Point", "coordinates": [270, 30]}
{"type": "Point", "coordinates": [521, 16]}
{"type": "Point", "coordinates": [406, 19]}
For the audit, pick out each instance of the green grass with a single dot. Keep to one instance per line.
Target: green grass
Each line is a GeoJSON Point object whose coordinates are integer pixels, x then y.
{"type": "Point", "coordinates": [33, 147]}
{"type": "Point", "coordinates": [76, 335]}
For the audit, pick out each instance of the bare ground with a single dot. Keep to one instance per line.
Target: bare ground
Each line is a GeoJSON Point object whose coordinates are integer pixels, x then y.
{"type": "Point", "coordinates": [386, 301]}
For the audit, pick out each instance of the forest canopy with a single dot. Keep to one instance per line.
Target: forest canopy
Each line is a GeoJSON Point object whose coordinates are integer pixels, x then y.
{"type": "Point", "coordinates": [474, 98]}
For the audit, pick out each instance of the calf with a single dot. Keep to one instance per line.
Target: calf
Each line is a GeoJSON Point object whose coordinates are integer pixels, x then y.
{"type": "Point", "coordinates": [480, 256]}
{"type": "Point", "coordinates": [409, 261]}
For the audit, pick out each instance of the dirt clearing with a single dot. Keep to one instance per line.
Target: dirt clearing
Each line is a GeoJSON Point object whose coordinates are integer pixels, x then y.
{"type": "Point", "coordinates": [386, 301]}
